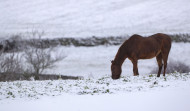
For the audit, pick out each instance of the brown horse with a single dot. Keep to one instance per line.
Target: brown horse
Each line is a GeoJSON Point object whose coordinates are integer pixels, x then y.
{"type": "Point", "coordinates": [138, 47]}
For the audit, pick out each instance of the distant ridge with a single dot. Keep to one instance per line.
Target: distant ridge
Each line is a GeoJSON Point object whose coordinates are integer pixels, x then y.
{"type": "Point", "coordinates": [19, 44]}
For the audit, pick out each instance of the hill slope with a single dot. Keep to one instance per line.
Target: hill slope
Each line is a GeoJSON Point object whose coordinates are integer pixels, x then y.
{"type": "Point", "coordinates": [82, 18]}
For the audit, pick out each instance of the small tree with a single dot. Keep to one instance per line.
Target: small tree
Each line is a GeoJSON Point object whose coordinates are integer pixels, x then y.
{"type": "Point", "coordinates": [40, 58]}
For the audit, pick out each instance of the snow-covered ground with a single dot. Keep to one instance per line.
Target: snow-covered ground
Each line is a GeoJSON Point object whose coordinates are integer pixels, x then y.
{"type": "Point", "coordinates": [147, 92]}
{"type": "Point", "coordinates": [95, 61]}
{"type": "Point", "coordinates": [83, 18]}
{"type": "Point", "coordinates": [172, 99]}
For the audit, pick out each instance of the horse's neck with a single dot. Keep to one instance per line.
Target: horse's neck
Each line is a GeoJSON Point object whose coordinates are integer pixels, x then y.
{"type": "Point", "coordinates": [120, 57]}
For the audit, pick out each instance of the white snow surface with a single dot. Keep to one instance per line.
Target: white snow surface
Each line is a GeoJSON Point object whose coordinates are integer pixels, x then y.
{"type": "Point", "coordinates": [141, 93]}
{"type": "Point", "coordinates": [86, 18]}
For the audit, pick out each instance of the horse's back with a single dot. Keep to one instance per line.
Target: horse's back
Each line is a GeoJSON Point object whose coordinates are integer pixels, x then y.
{"type": "Point", "coordinates": [161, 37]}
{"type": "Point", "coordinates": [136, 40]}
{"type": "Point", "coordinates": [147, 47]}
{"type": "Point", "coordinates": [151, 41]}
{"type": "Point", "coordinates": [165, 39]}
{"type": "Point", "coordinates": [135, 37]}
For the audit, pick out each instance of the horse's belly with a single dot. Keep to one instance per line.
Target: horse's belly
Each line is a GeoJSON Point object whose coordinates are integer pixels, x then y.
{"type": "Point", "coordinates": [148, 55]}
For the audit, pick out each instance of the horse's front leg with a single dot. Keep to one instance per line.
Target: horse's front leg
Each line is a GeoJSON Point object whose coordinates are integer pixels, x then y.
{"type": "Point", "coordinates": [135, 67]}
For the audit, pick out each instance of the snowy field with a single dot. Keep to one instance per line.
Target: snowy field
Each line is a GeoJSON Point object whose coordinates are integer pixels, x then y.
{"type": "Point", "coordinates": [86, 18]}
{"type": "Point", "coordinates": [95, 62]}
{"type": "Point", "coordinates": [147, 92]}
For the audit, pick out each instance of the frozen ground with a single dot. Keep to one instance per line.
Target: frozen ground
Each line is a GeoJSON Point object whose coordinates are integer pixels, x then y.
{"type": "Point", "coordinates": [95, 61]}
{"type": "Point", "coordinates": [83, 18]}
{"type": "Point", "coordinates": [145, 93]}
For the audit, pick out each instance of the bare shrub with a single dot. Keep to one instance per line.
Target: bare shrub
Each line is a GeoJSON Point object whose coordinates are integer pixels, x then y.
{"type": "Point", "coordinates": [11, 66]}
{"type": "Point", "coordinates": [173, 66]}
{"type": "Point", "coordinates": [33, 61]}
{"type": "Point", "coordinates": [39, 58]}
{"type": "Point", "coordinates": [11, 63]}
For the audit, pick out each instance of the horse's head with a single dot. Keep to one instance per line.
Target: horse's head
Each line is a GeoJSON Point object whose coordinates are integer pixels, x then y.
{"type": "Point", "coordinates": [116, 70]}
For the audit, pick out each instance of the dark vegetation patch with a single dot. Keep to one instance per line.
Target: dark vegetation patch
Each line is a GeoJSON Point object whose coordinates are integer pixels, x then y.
{"type": "Point", "coordinates": [173, 66]}
{"type": "Point", "coordinates": [13, 77]}
{"type": "Point", "coordinates": [15, 43]}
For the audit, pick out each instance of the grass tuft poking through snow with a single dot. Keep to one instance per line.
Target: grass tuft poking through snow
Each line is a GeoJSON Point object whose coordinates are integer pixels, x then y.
{"type": "Point", "coordinates": [103, 85]}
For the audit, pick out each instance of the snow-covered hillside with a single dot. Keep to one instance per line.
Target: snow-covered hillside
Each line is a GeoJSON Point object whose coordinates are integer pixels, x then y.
{"type": "Point", "coordinates": [82, 18]}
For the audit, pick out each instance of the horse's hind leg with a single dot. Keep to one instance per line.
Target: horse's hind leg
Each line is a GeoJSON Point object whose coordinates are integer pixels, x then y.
{"type": "Point", "coordinates": [165, 54]}
{"type": "Point", "coordinates": [165, 59]}
{"type": "Point", "coordinates": [135, 67]}
{"type": "Point", "coordinates": [165, 50]}
{"type": "Point", "coordinates": [159, 61]}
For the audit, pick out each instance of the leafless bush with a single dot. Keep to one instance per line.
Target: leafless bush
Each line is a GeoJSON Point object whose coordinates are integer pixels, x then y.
{"type": "Point", "coordinates": [40, 58]}
{"type": "Point", "coordinates": [11, 63]}
{"type": "Point", "coordinates": [174, 66]}
{"type": "Point", "coordinates": [34, 60]}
